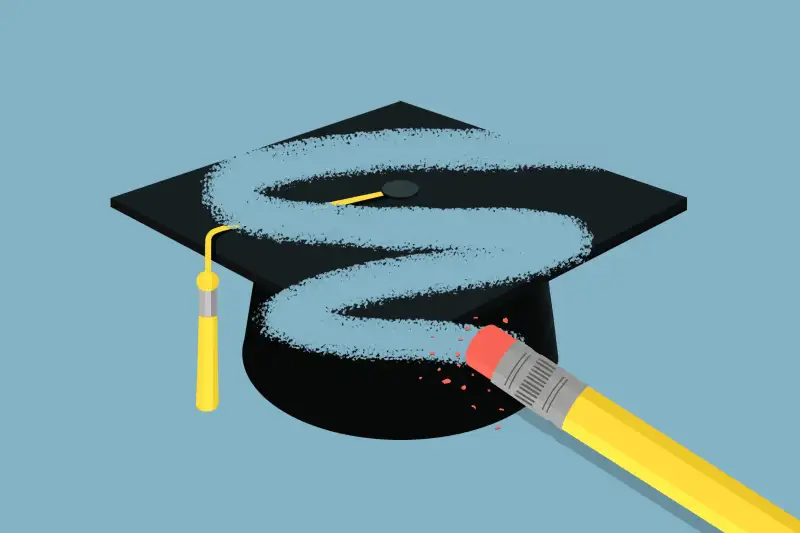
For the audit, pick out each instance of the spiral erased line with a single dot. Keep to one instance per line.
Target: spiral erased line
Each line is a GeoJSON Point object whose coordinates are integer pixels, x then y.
{"type": "Point", "coordinates": [464, 248]}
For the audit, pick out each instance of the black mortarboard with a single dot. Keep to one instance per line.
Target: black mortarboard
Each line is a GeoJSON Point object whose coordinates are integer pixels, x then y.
{"type": "Point", "coordinates": [387, 399]}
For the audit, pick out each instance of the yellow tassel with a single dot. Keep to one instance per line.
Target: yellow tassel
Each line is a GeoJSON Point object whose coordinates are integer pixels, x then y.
{"type": "Point", "coordinates": [207, 394]}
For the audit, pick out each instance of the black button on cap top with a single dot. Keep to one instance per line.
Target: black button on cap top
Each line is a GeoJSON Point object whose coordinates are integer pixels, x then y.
{"type": "Point", "coordinates": [400, 189]}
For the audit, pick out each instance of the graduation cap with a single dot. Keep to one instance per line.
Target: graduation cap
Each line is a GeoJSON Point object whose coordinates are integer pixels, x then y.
{"type": "Point", "coordinates": [389, 397]}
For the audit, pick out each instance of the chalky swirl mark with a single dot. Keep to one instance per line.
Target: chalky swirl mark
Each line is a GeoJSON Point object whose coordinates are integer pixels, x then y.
{"type": "Point", "coordinates": [455, 249]}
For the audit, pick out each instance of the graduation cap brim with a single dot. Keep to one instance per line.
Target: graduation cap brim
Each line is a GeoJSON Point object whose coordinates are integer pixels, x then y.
{"type": "Point", "coordinates": [613, 207]}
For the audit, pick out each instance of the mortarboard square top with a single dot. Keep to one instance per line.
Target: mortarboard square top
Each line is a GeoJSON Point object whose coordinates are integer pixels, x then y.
{"type": "Point", "coordinates": [399, 398]}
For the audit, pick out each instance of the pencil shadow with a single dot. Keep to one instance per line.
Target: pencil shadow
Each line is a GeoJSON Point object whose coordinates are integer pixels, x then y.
{"type": "Point", "coordinates": [628, 479]}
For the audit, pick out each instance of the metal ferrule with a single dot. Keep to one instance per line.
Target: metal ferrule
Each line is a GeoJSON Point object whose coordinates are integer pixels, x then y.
{"type": "Point", "coordinates": [208, 303]}
{"type": "Point", "coordinates": [537, 382]}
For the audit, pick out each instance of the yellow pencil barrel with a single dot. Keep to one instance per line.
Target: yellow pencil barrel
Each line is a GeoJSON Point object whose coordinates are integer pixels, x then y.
{"type": "Point", "coordinates": [572, 406]}
{"type": "Point", "coordinates": [672, 469]}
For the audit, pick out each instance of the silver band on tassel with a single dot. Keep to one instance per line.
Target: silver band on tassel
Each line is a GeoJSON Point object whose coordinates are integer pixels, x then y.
{"type": "Point", "coordinates": [208, 303]}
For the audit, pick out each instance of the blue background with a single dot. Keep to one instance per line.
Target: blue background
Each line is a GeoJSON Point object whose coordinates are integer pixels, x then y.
{"type": "Point", "coordinates": [689, 326]}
